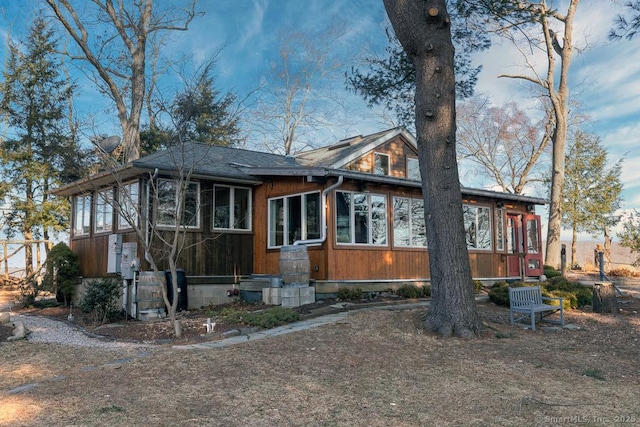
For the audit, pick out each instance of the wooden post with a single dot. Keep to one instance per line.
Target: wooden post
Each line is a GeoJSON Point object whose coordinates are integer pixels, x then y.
{"type": "Point", "coordinates": [5, 247]}
{"type": "Point", "coordinates": [563, 260]}
{"type": "Point", "coordinates": [604, 298]}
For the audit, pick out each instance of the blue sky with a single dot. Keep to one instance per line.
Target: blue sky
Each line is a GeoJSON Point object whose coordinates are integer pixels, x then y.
{"type": "Point", "coordinates": [605, 76]}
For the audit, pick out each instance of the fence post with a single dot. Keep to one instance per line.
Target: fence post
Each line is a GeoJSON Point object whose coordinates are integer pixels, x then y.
{"type": "Point", "coordinates": [601, 264]}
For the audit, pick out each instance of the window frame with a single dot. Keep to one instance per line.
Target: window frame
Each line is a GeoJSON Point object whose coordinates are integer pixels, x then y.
{"type": "Point", "coordinates": [286, 233]}
{"type": "Point", "coordinates": [500, 229]}
{"type": "Point", "coordinates": [127, 204]}
{"type": "Point", "coordinates": [85, 213]}
{"type": "Point", "coordinates": [232, 203]}
{"type": "Point", "coordinates": [370, 214]}
{"type": "Point", "coordinates": [410, 226]}
{"type": "Point", "coordinates": [417, 168]}
{"type": "Point", "coordinates": [158, 205]}
{"type": "Point", "coordinates": [103, 211]}
{"type": "Point", "coordinates": [477, 208]}
{"type": "Point", "coordinates": [373, 166]}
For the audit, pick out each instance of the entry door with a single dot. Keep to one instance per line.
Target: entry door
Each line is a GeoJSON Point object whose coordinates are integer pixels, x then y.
{"type": "Point", "coordinates": [532, 245]}
{"type": "Point", "coordinates": [515, 244]}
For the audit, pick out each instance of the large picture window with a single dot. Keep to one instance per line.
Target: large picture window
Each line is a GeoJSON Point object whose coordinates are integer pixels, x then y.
{"type": "Point", "coordinates": [361, 218]}
{"type": "Point", "coordinates": [82, 210]}
{"type": "Point", "coordinates": [129, 198]}
{"type": "Point", "coordinates": [104, 212]}
{"type": "Point", "coordinates": [408, 222]}
{"type": "Point", "coordinates": [293, 218]}
{"type": "Point", "coordinates": [232, 208]}
{"type": "Point", "coordinates": [168, 204]}
{"type": "Point", "coordinates": [477, 227]}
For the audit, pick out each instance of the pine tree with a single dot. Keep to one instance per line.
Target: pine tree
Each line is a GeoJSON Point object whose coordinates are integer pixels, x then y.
{"type": "Point", "coordinates": [592, 192]}
{"type": "Point", "coordinates": [39, 152]}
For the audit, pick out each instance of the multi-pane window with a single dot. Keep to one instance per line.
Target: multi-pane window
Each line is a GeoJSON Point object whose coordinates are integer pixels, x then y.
{"type": "Point", "coordinates": [499, 229]}
{"type": "Point", "coordinates": [104, 211]}
{"type": "Point", "coordinates": [168, 204]}
{"type": "Point", "coordinates": [413, 169]}
{"type": "Point", "coordinates": [294, 218]}
{"type": "Point", "coordinates": [477, 226]}
{"type": "Point", "coordinates": [381, 164]}
{"type": "Point", "coordinates": [129, 199]}
{"type": "Point", "coordinates": [82, 215]}
{"type": "Point", "coordinates": [231, 208]}
{"type": "Point", "coordinates": [408, 222]}
{"type": "Point", "coordinates": [361, 218]}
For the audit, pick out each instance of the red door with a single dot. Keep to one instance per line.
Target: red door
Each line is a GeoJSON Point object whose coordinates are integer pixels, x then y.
{"type": "Point", "coordinates": [532, 245]}
{"type": "Point", "coordinates": [515, 244]}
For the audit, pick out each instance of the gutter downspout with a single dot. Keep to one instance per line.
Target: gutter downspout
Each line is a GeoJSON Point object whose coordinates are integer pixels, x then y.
{"type": "Point", "coordinates": [323, 215]}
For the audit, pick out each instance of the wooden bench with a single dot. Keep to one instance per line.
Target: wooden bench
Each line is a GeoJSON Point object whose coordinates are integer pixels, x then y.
{"type": "Point", "coordinates": [528, 301]}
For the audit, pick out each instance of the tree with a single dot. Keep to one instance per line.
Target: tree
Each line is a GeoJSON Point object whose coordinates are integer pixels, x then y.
{"type": "Point", "coordinates": [503, 142]}
{"type": "Point", "coordinates": [296, 96]}
{"type": "Point", "coordinates": [592, 192]}
{"type": "Point", "coordinates": [112, 39]}
{"type": "Point", "coordinates": [199, 113]}
{"type": "Point", "coordinates": [424, 30]}
{"type": "Point", "coordinates": [627, 27]}
{"type": "Point", "coordinates": [41, 152]}
{"type": "Point", "coordinates": [389, 80]}
{"type": "Point", "coordinates": [513, 22]}
{"type": "Point", "coordinates": [630, 233]}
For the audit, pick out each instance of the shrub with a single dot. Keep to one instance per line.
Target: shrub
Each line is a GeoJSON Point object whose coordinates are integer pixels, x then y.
{"type": "Point", "coordinates": [101, 299]}
{"type": "Point", "coordinates": [478, 285]}
{"type": "Point", "coordinates": [266, 319]}
{"type": "Point", "coordinates": [551, 272]}
{"type": "Point", "coordinates": [574, 294]}
{"type": "Point", "coordinates": [413, 291]}
{"type": "Point", "coordinates": [621, 272]}
{"type": "Point", "coordinates": [349, 294]}
{"type": "Point", "coordinates": [62, 271]}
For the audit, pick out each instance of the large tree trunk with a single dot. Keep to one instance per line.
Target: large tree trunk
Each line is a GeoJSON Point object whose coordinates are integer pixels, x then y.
{"type": "Point", "coordinates": [423, 28]}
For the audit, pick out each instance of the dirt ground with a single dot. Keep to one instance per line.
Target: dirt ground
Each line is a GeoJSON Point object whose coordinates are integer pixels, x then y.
{"type": "Point", "coordinates": [375, 368]}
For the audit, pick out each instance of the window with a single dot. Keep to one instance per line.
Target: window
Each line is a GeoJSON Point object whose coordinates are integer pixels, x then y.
{"type": "Point", "coordinates": [413, 169]}
{"type": "Point", "coordinates": [477, 227]}
{"type": "Point", "coordinates": [82, 215]}
{"type": "Point", "coordinates": [129, 198]}
{"type": "Point", "coordinates": [408, 222]}
{"type": "Point", "coordinates": [227, 218]}
{"type": "Point", "coordinates": [168, 204]}
{"type": "Point", "coordinates": [293, 218]}
{"type": "Point", "coordinates": [361, 218]}
{"type": "Point", "coordinates": [532, 236]}
{"type": "Point", "coordinates": [499, 229]}
{"type": "Point", "coordinates": [380, 164]}
{"type": "Point", "coordinates": [103, 222]}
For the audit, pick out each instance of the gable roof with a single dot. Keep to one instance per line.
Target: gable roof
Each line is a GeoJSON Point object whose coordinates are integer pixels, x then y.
{"type": "Point", "coordinates": [347, 150]}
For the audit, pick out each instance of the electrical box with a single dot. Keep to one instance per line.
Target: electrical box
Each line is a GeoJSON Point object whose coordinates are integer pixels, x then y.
{"type": "Point", "coordinates": [115, 251]}
{"type": "Point", "coordinates": [129, 260]}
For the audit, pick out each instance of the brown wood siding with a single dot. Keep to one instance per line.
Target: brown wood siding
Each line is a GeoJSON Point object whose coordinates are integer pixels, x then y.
{"type": "Point", "coordinates": [398, 151]}
{"type": "Point", "coordinates": [205, 252]}
{"type": "Point", "coordinates": [266, 261]}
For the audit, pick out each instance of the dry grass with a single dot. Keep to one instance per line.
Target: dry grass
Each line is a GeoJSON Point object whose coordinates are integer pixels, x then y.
{"type": "Point", "coordinates": [374, 369]}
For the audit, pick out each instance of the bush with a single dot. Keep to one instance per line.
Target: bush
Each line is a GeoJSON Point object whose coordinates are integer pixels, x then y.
{"type": "Point", "coordinates": [551, 272]}
{"type": "Point", "coordinates": [101, 298]}
{"type": "Point", "coordinates": [349, 294]}
{"type": "Point", "coordinates": [574, 295]}
{"type": "Point", "coordinates": [61, 272]}
{"type": "Point", "coordinates": [621, 272]}
{"type": "Point", "coordinates": [266, 319]}
{"type": "Point", "coordinates": [478, 285]}
{"type": "Point", "coordinates": [413, 291]}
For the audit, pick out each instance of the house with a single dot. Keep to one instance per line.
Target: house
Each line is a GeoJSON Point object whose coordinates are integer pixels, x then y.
{"type": "Point", "coordinates": [356, 205]}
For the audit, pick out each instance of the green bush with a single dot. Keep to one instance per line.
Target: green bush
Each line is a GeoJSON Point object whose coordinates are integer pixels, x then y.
{"type": "Point", "coordinates": [478, 285]}
{"type": "Point", "coordinates": [574, 295]}
{"type": "Point", "coordinates": [62, 270]}
{"type": "Point", "coordinates": [551, 272]}
{"type": "Point", "coordinates": [413, 291]}
{"type": "Point", "coordinates": [101, 298]}
{"type": "Point", "coordinates": [349, 294]}
{"type": "Point", "coordinates": [266, 319]}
